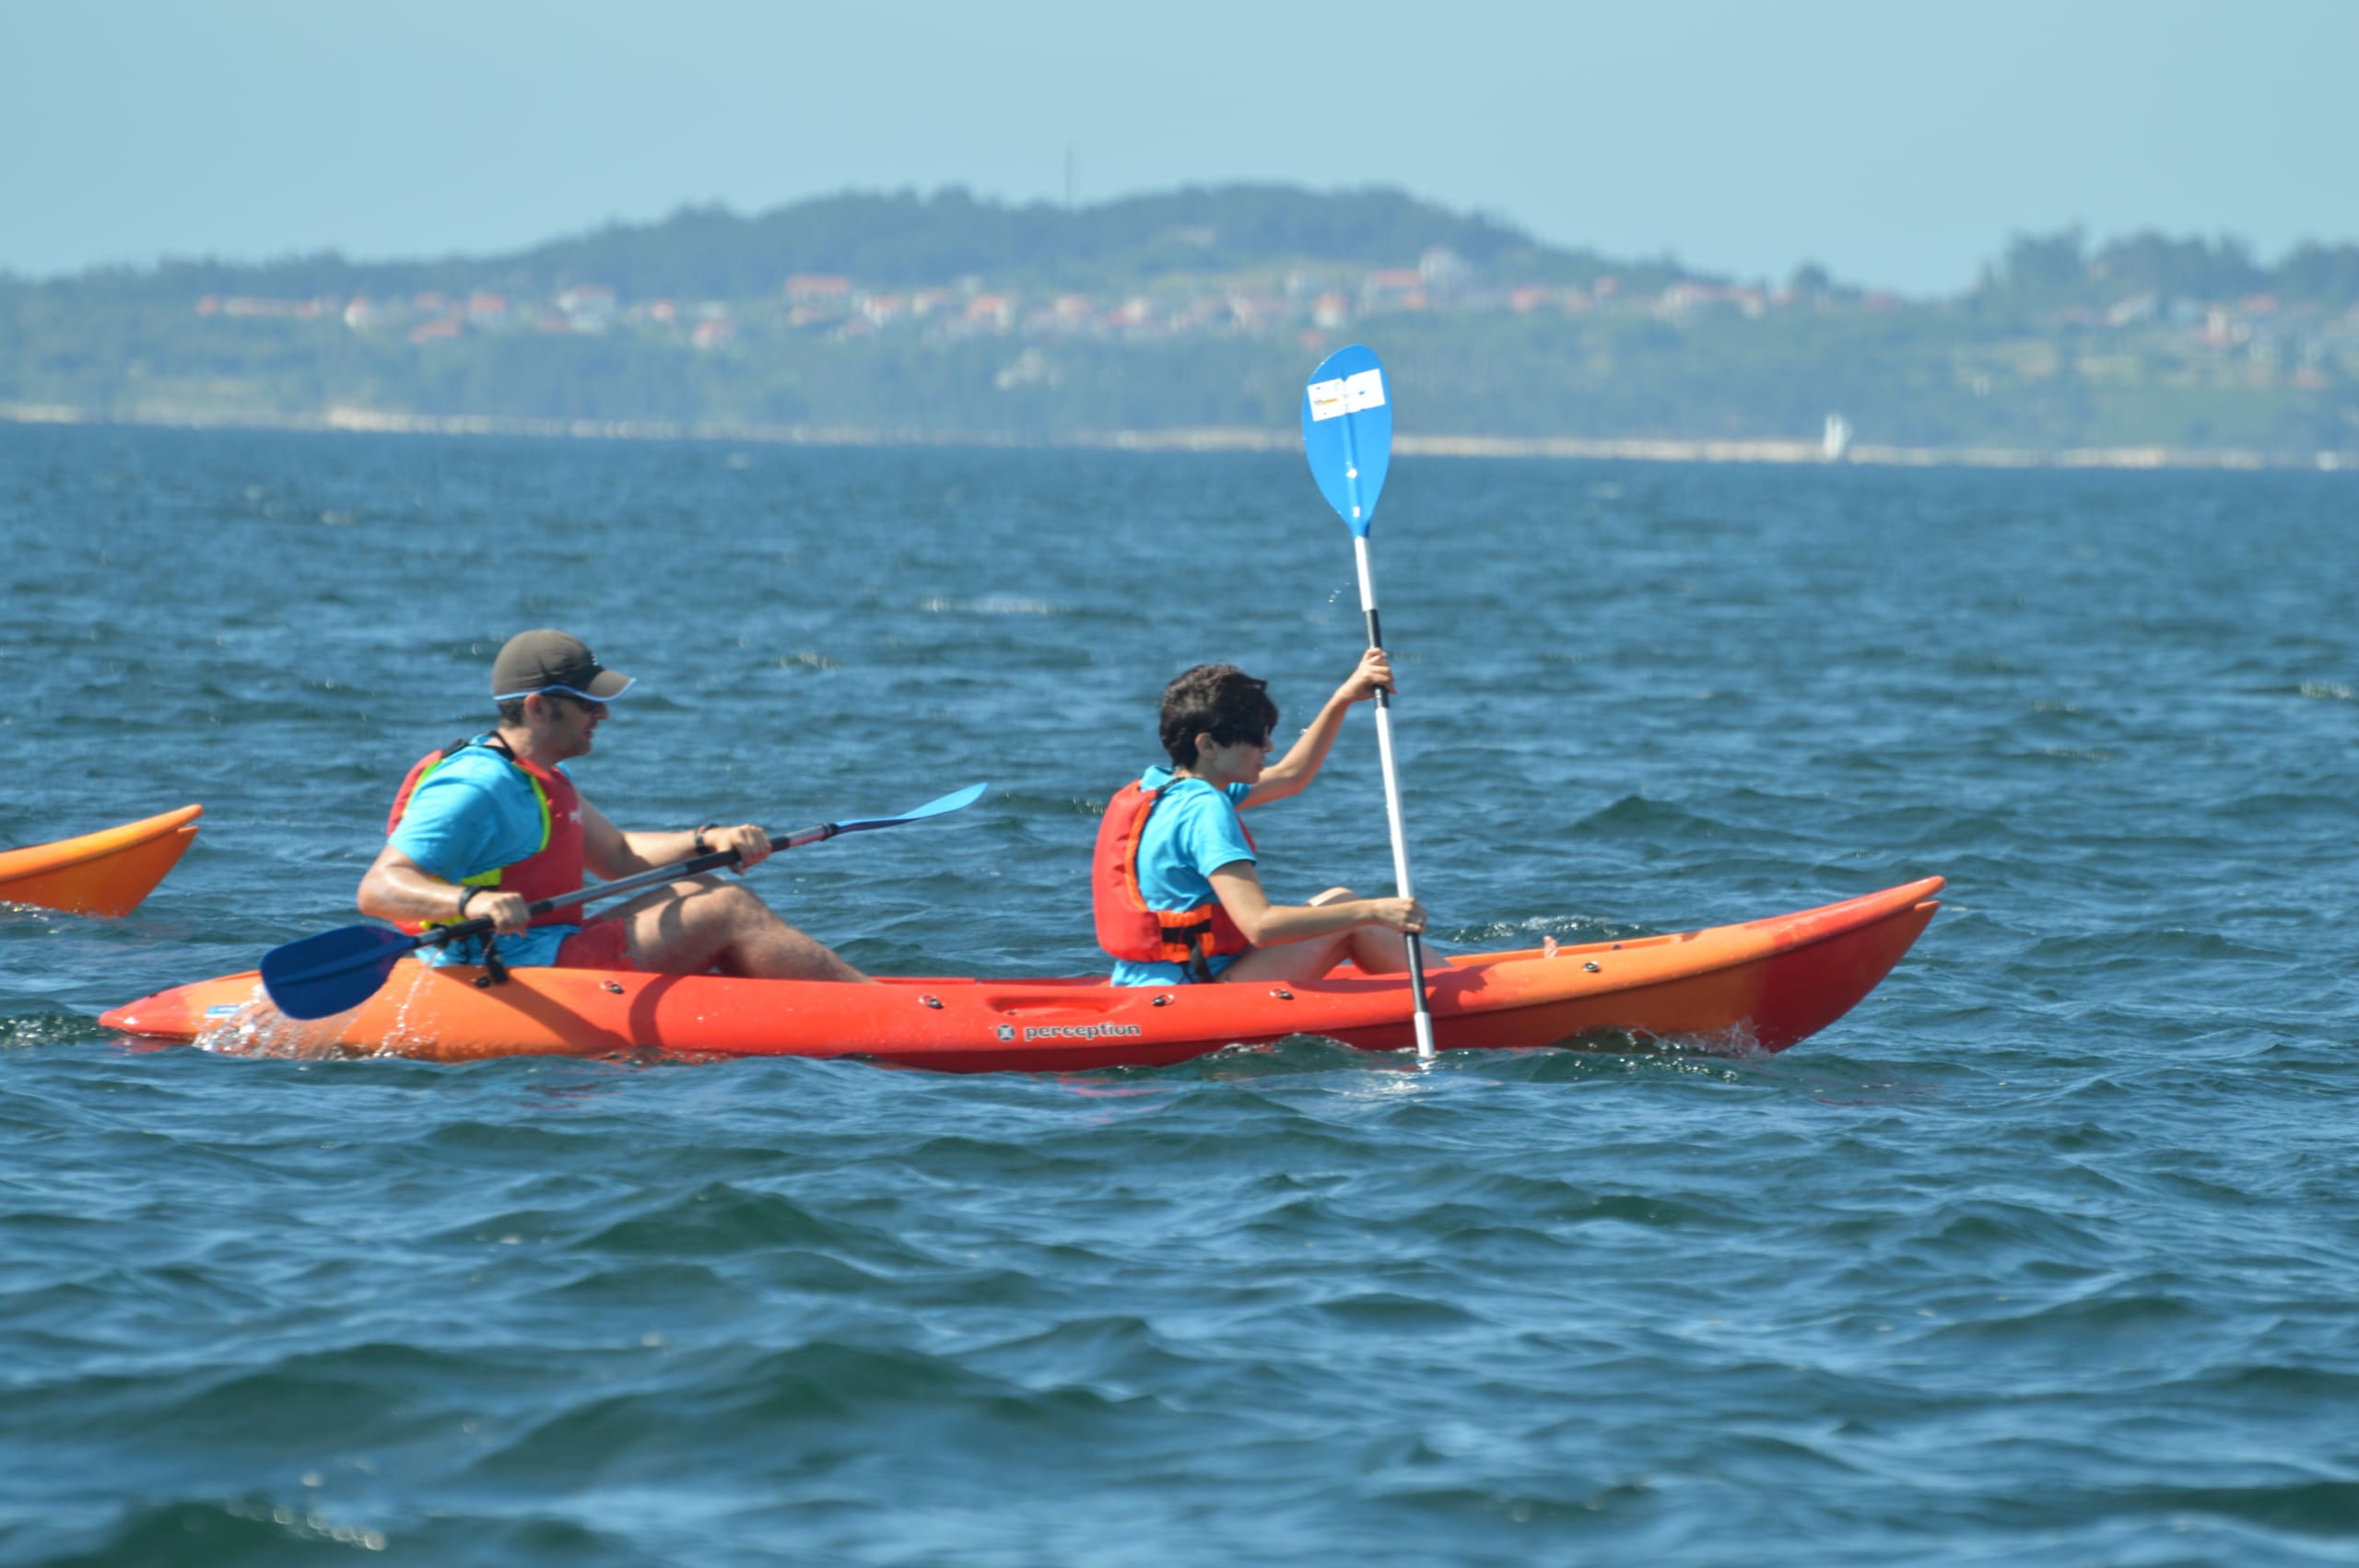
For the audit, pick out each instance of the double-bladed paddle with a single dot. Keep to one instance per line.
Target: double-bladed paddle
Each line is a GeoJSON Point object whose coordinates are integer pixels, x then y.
{"type": "Point", "coordinates": [1347, 436]}
{"type": "Point", "coordinates": [339, 969]}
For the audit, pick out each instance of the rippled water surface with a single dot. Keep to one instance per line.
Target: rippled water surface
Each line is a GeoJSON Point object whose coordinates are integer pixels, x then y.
{"type": "Point", "coordinates": [2047, 1252]}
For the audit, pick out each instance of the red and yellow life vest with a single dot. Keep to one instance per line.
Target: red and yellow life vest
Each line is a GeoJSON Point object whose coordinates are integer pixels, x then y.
{"type": "Point", "coordinates": [1127, 927]}
{"type": "Point", "coordinates": [555, 867]}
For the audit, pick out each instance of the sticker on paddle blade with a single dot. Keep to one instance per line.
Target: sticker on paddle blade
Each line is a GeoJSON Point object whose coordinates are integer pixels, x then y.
{"type": "Point", "coordinates": [1347, 432]}
{"type": "Point", "coordinates": [1330, 399]}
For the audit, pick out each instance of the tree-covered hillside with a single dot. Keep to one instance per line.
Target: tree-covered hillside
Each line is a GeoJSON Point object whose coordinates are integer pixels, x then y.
{"type": "Point", "coordinates": [898, 315]}
{"type": "Point", "coordinates": [903, 239]}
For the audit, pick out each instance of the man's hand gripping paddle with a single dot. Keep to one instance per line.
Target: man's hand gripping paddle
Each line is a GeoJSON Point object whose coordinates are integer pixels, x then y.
{"type": "Point", "coordinates": [1347, 436]}
{"type": "Point", "coordinates": [326, 973]}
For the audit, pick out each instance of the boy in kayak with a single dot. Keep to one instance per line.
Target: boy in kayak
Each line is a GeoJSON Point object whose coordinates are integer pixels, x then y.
{"type": "Point", "coordinates": [486, 826]}
{"type": "Point", "coordinates": [1177, 896]}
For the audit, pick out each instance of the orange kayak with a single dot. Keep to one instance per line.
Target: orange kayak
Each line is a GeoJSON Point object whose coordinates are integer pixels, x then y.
{"type": "Point", "coordinates": [106, 873]}
{"type": "Point", "coordinates": [1763, 985]}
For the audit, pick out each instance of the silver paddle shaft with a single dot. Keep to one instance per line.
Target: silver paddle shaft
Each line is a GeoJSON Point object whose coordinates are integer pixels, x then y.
{"type": "Point", "coordinates": [1422, 1018]}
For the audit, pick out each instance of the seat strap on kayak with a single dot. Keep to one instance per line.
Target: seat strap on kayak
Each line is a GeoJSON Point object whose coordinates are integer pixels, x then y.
{"type": "Point", "coordinates": [495, 968]}
{"type": "Point", "coordinates": [1200, 969]}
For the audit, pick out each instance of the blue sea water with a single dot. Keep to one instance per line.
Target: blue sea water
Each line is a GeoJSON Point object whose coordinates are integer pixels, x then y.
{"type": "Point", "coordinates": [2046, 1254]}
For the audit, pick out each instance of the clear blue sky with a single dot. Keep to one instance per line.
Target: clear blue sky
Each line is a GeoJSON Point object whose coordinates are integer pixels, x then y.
{"type": "Point", "coordinates": [1898, 144]}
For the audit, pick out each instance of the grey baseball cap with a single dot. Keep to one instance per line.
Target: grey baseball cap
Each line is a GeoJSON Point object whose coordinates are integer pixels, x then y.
{"type": "Point", "coordinates": [552, 660]}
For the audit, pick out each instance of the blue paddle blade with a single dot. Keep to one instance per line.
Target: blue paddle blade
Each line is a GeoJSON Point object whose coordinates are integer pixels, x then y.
{"type": "Point", "coordinates": [1347, 432]}
{"type": "Point", "coordinates": [956, 800]}
{"type": "Point", "coordinates": [327, 973]}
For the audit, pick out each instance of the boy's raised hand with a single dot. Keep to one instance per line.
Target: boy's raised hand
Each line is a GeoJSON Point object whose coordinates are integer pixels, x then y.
{"type": "Point", "coordinates": [1374, 674]}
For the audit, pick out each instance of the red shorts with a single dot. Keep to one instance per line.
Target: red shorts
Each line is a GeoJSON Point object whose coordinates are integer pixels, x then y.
{"type": "Point", "coordinates": [601, 944]}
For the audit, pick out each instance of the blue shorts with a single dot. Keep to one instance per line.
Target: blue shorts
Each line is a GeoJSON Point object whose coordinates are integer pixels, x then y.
{"type": "Point", "coordinates": [601, 944]}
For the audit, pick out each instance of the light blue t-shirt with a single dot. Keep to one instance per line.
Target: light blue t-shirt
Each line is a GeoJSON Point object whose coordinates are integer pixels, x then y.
{"type": "Point", "coordinates": [478, 811]}
{"type": "Point", "coordinates": [1192, 832]}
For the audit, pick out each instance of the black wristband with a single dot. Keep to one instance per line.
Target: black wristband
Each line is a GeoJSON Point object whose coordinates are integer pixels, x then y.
{"type": "Point", "coordinates": [466, 894]}
{"type": "Point", "coordinates": [699, 845]}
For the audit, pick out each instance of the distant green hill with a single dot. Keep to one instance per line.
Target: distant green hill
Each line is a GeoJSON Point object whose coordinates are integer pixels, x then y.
{"type": "Point", "coordinates": [906, 240]}
{"type": "Point", "coordinates": [900, 316]}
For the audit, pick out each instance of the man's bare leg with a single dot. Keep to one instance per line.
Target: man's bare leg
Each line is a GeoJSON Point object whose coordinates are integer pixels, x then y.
{"type": "Point", "coordinates": [692, 927]}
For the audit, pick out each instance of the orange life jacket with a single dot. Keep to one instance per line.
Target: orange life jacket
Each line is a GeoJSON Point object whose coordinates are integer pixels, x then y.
{"type": "Point", "coordinates": [555, 867]}
{"type": "Point", "coordinates": [1127, 927]}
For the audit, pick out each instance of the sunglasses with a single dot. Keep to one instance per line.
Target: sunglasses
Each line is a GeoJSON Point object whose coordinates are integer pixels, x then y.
{"type": "Point", "coordinates": [546, 691]}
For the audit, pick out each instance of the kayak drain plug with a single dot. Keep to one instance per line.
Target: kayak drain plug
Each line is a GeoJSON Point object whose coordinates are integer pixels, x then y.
{"type": "Point", "coordinates": [1281, 993]}
{"type": "Point", "coordinates": [1591, 965]}
{"type": "Point", "coordinates": [931, 1000]}
{"type": "Point", "coordinates": [615, 987]}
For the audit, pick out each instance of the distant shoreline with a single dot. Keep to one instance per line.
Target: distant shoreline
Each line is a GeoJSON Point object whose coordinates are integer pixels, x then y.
{"type": "Point", "coordinates": [1214, 438]}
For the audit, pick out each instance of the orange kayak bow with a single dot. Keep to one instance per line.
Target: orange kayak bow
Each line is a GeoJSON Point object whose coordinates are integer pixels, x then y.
{"type": "Point", "coordinates": [106, 873]}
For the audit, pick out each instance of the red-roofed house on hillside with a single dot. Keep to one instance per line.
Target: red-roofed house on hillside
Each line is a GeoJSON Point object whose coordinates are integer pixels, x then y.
{"type": "Point", "coordinates": [1393, 280]}
{"type": "Point", "coordinates": [1394, 288]}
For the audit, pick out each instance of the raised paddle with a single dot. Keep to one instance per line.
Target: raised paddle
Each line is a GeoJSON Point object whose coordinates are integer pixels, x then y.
{"type": "Point", "coordinates": [339, 969]}
{"type": "Point", "coordinates": [1347, 436]}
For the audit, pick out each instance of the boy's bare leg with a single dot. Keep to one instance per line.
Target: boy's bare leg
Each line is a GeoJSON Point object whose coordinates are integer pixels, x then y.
{"type": "Point", "coordinates": [1372, 949]}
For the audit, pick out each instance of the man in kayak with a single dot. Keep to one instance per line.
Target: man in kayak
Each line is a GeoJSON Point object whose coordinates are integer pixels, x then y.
{"type": "Point", "coordinates": [486, 826]}
{"type": "Point", "coordinates": [1177, 896]}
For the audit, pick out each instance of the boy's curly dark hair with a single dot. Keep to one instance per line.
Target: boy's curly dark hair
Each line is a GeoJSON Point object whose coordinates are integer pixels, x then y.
{"type": "Point", "coordinates": [1220, 700]}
